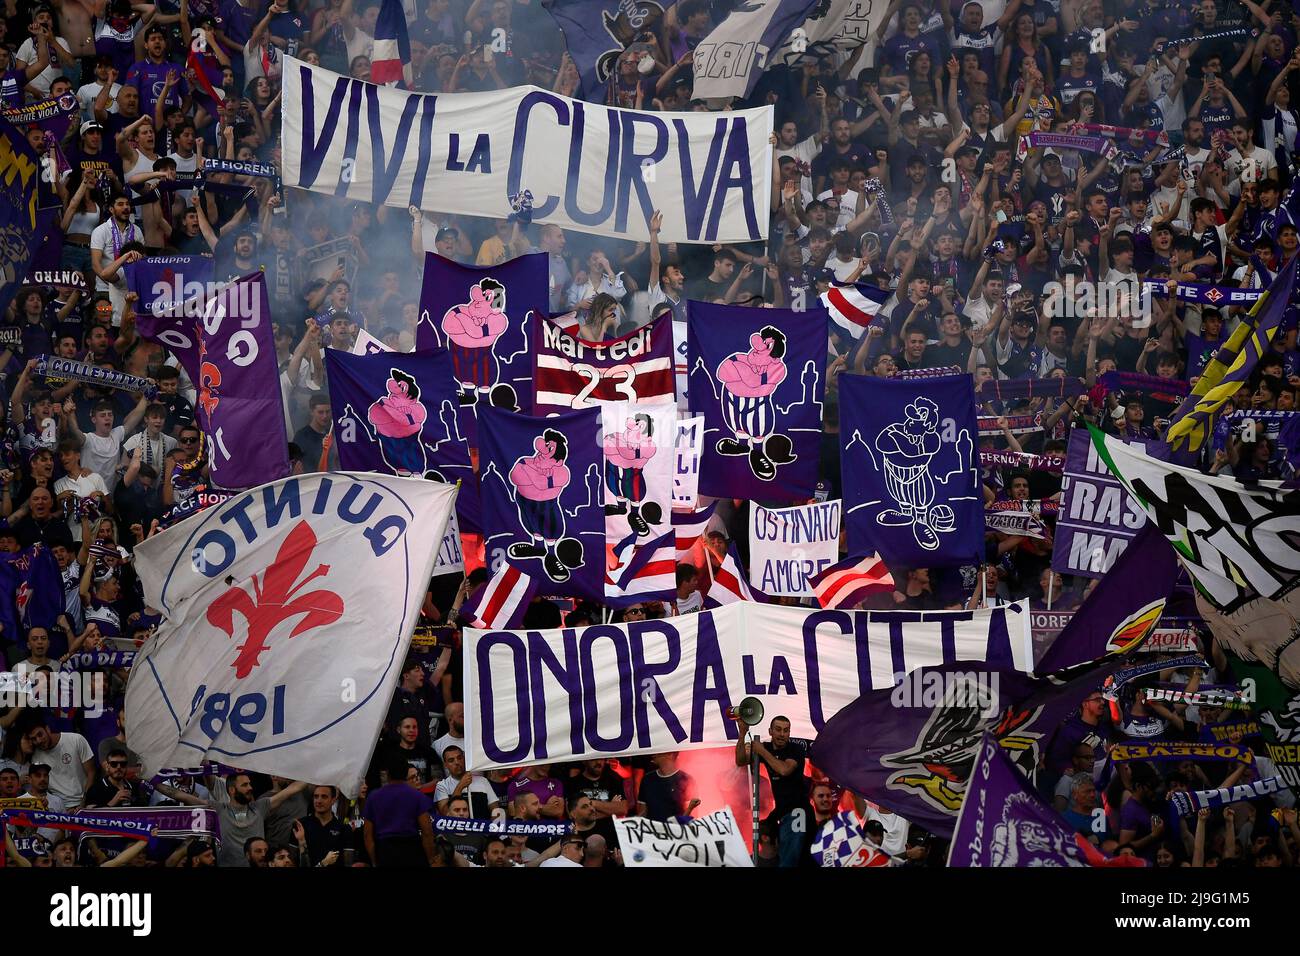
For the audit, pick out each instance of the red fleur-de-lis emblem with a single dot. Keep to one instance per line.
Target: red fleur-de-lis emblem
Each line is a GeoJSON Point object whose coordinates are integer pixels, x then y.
{"type": "Point", "coordinates": [209, 380]}
{"type": "Point", "coordinates": [275, 599]}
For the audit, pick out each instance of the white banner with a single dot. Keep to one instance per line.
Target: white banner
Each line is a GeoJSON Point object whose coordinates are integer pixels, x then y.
{"type": "Point", "coordinates": [787, 546]}
{"type": "Point", "coordinates": [288, 611]}
{"type": "Point", "coordinates": [686, 478]}
{"type": "Point", "coordinates": [596, 169]}
{"type": "Point", "coordinates": [579, 693]}
{"type": "Point", "coordinates": [838, 27]}
{"type": "Point", "coordinates": [729, 61]}
{"type": "Point", "coordinates": [638, 470]}
{"type": "Point", "coordinates": [709, 841]}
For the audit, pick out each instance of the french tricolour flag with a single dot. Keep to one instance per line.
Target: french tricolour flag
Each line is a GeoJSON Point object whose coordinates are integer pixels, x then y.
{"type": "Point", "coordinates": [390, 60]}
{"type": "Point", "coordinates": [504, 598]}
{"type": "Point", "coordinates": [847, 583]}
{"type": "Point", "coordinates": [729, 584]}
{"type": "Point", "coordinates": [853, 305]}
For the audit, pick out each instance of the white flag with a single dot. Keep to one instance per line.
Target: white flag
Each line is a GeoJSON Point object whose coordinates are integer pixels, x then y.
{"type": "Point", "coordinates": [288, 612]}
{"type": "Point", "coordinates": [706, 841]}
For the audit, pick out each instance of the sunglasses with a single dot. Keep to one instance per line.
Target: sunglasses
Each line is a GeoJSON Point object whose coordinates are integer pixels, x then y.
{"type": "Point", "coordinates": [117, 763]}
{"type": "Point", "coordinates": [189, 441]}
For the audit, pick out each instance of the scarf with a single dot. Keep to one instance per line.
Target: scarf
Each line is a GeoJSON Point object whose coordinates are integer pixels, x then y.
{"type": "Point", "coordinates": [1204, 293]}
{"type": "Point", "coordinates": [1218, 34]}
{"type": "Point", "coordinates": [1152, 136]}
{"type": "Point", "coordinates": [94, 660]}
{"type": "Point", "coordinates": [928, 372]}
{"type": "Point", "coordinates": [1003, 390]}
{"type": "Point", "coordinates": [1180, 750]}
{"type": "Point", "coordinates": [1170, 390]}
{"type": "Point", "coordinates": [1211, 697]}
{"type": "Point", "coordinates": [501, 827]}
{"type": "Point", "coordinates": [1022, 459]}
{"type": "Point", "coordinates": [1184, 803]}
{"type": "Point", "coordinates": [1122, 677]}
{"type": "Point", "coordinates": [1016, 424]}
{"type": "Point", "coordinates": [49, 366]}
{"type": "Point", "coordinates": [875, 187]}
{"type": "Point", "coordinates": [139, 823]}
{"type": "Point", "coordinates": [1218, 733]}
{"type": "Point", "coordinates": [1090, 144]}
{"type": "Point", "coordinates": [1021, 522]}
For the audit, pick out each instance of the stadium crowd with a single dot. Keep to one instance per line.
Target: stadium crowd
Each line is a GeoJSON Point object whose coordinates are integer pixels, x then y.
{"type": "Point", "coordinates": [909, 173]}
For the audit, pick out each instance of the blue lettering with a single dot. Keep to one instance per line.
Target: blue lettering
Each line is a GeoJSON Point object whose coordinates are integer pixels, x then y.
{"type": "Point", "coordinates": [385, 170]}
{"type": "Point", "coordinates": [378, 536]}
{"type": "Point", "coordinates": [453, 153]}
{"type": "Point", "coordinates": [570, 678]}
{"type": "Point", "coordinates": [844, 623]}
{"type": "Point", "coordinates": [644, 679]}
{"type": "Point", "coordinates": [737, 175]}
{"type": "Point", "coordinates": [541, 208]}
{"type": "Point", "coordinates": [632, 169]}
{"type": "Point", "coordinates": [349, 499]}
{"type": "Point", "coordinates": [315, 148]}
{"type": "Point", "coordinates": [275, 507]}
{"type": "Point", "coordinates": [480, 161]}
{"type": "Point", "coordinates": [203, 563]}
{"type": "Point", "coordinates": [710, 683]}
{"type": "Point", "coordinates": [238, 513]}
{"type": "Point", "coordinates": [485, 697]}
{"type": "Point", "coordinates": [623, 661]}
{"type": "Point", "coordinates": [426, 139]}
{"type": "Point", "coordinates": [697, 199]}
{"type": "Point", "coordinates": [782, 680]}
{"type": "Point", "coordinates": [577, 133]}
{"type": "Point", "coordinates": [752, 686]}
{"type": "Point", "coordinates": [354, 130]}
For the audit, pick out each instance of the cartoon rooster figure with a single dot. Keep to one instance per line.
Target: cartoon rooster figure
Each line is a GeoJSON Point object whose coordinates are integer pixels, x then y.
{"type": "Point", "coordinates": [471, 330]}
{"type": "Point", "coordinates": [399, 418]}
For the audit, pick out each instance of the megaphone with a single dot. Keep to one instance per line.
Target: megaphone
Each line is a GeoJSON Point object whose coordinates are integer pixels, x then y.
{"type": "Point", "coordinates": [750, 711]}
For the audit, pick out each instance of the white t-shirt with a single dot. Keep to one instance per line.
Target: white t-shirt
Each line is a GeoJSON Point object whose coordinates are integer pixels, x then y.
{"type": "Point", "coordinates": [82, 488]}
{"type": "Point", "coordinates": [896, 828]}
{"type": "Point", "coordinates": [67, 770]}
{"type": "Point", "coordinates": [447, 740]}
{"type": "Point", "coordinates": [1262, 160]}
{"type": "Point", "coordinates": [101, 454]}
{"type": "Point", "coordinates": [558, 861]}
{"type": "Point", "coordinates": [102, 239]}
{"type": "Point", "coordinates": [155, 450]}
{"type": "Point", "coordinates": [89, 92]}
{"type": "Point", "coordinates": [55, 804]}
{"type": "Point", "coordinates": [691, 603]}
{"type": "Point", "coordinates": [27, 53]}
{"type": "Point", "coordinates": [447, 786]}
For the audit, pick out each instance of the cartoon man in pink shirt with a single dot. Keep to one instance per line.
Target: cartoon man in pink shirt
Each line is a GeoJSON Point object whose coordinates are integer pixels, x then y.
{"type": "Point", "coordinates": [539, 480]}
{"type": "Point", "coordinates": [748, 381]}
{"type": "Point", "coordinates": [399, 419]}
{"type": "Point", "coordinates": [471, 330]}
{"type": "Point", "coordinates": [626, 456]}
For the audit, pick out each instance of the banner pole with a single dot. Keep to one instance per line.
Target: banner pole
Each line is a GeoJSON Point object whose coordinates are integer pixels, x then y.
{"type": "Point", "coordinates": [753, 770]}
{"type": "Point", "coordinates": [1051, 580]}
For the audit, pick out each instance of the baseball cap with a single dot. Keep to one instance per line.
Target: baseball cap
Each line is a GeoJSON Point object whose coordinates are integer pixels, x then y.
{"type": "Point", "coordinates": [91, 127]}
{"type": "Point", "coordinates": [1050, 153]}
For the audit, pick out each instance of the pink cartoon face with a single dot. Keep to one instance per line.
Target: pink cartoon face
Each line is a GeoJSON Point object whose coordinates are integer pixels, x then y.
{"type": "Point", "coordinates": [397, 389]}
{"type": "Point", "coordinates": [756, 373]}
{"type": "Point", "coordinates": [760, 349]}
{"type": "Point", "coordinates": [545, 449]}
{"type": "Point", "coordinates": [478, 323]}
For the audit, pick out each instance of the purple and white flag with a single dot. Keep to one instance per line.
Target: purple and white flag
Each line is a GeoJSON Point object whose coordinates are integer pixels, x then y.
{"type": "Point", "coordinates": [395, 413]}
{"type": "Point", "coordinates": [756, 377]}
{"type": "Point", "coordinates": [1098, 518]}
{"type": "Point", "coordinates": [164, 283]}
{"type": "Point", "coordinates": [225, 344]}
{"type": "Point", "coordinates": [543, 498]}
{"type": "Point", "coordinates": [480, 316]}
{"type": "Point", "coordinates": [911, 480]}
{"type": "Point", "coordinates": [1004, 823]}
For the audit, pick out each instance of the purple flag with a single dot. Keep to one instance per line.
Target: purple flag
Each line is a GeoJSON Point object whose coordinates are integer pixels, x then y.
{"type": "Point", "coordinates": [395, 413]}
{"type": "Point", "coordinates": [755, 376]}
{"type": "Point", "coordinates": [480, 315]}
{"type": "Point", "coordinates": [598, 31]}
{"type": "Point", "coordinates": [31, 590]}
{"type": "Point", "coordinates": [225, 344]}
{"type": "Point", "coordinates": [900, 749]}
{"type": "Point", "coordinates": [1004, 823]}
{"type": "Point", "coordinates": [543, 499]}
{"type": "Point", "coordinates": [164, 283]}
{"type": "Point", "coordinates": [53, 115]}
{"type": "Point", "coordinates": [1097, 519]}
{"type": "Point", "coordinates": [911, 480]}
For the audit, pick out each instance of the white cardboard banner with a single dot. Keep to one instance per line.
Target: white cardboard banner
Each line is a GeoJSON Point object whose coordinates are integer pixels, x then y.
{"type": "Point", "coordinates": [579, 693]}
{"type": "Point", "coordinates": [787, 546]}
{"type": "Point", "coordinates": [596, 169]}
{"type": "Point", "coordinates": [713, 840]}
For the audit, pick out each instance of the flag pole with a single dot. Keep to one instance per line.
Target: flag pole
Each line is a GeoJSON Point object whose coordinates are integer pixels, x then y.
{"type": "Point", "coordinates": [1051, 580]}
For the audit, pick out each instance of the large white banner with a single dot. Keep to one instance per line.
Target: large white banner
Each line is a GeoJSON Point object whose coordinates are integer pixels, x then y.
{"type": "Point", "coordinates": [713, 840]}
{"type": "Point", "coordinates": [595, 169]}
{"type": "Point", "coordinates": [686, 476]}
{"type": "Point", "coordinates": [288, 612]}
{"type": "Point", "coordinates": [579, 693]}
{"type": "Point", "coordinates": [787, 546]}
{"type": "Point", "coordinates": [729, 61]}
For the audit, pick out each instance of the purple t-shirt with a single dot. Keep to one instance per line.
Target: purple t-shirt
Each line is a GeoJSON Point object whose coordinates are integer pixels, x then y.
{"type": "Point", "coordinates": [395, 809]}
{"type": "Point", "coordinates": [148, 78]}
{"type": "Point", "coordinates": [545, 788]}
{"type": "Point", "coordinates": [1133, 816]}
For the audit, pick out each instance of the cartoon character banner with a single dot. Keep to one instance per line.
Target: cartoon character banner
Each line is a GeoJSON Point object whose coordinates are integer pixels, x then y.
{"type": "Point", "coordinates": [395, 413]}
{"type": "Point", "coordinates": [598, 31]}
{"type": "Point", "coordinates": [480, 316]}
{"type": "Point", "coordinates": [686, 480]}
{"type": "Point", "coordinates": [573, 373]}
{"type": "Point", "coordinates": [755, 376]}
{"type": "Point", "coordinates": [543, 498]}
{"type": "Point", "coordinates": [911, 479]}
{"type": "Point", "coordinates": [639, 466]}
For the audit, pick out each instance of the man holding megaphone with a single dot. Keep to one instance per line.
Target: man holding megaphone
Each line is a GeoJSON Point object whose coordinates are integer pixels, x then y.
{"type": "Point", "coordinates": [784, 759]}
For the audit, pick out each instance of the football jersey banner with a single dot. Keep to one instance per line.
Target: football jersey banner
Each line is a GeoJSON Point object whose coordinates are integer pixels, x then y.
{"type": "Point", "coordinates": [543, 498]}
{"type": "Point", "coordinates": [639, 465]}
{"type": "Point", "coordinates": [288, 612]}
{"type": "Point", "coordinates": [755, 376]}
{"type": "Point", "coordinates": [396, 413]}
{"type": "Point", "coordinates": [911, 479]}
{"type": "Point", "coordinates": [572, 373]}
{"type": "Point", "coordinates": [480, 316]}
